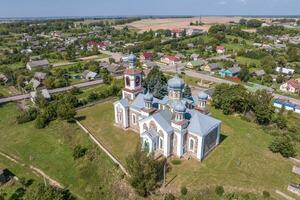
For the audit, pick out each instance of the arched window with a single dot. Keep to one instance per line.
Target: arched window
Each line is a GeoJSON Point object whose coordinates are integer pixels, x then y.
{"type": "Point", "coordinates": [145, 128]}
{"type": "Point", "coordinates": [192, 144]}
{"type": "Point", "coordinates": [152, 126]}
{"type": "Point", "coordinates": [127, 80]}
{"type": "Point", "coordinates": [161, 143]}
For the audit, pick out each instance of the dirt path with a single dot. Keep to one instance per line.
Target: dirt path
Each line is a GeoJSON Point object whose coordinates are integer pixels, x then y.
{"type": "Point", "coordinates": [35, 170]}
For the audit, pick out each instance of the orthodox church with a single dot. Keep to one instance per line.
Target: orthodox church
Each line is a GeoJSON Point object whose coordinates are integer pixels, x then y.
{"type": "Point", "coordinates": [173, 125]}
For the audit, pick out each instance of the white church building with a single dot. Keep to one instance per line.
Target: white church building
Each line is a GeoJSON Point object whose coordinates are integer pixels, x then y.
{"type": "Point", "coordinates": [170, 126]}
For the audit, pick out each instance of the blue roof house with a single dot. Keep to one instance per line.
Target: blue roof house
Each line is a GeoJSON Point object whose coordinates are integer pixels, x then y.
{"type": "Point", "coordinates": [230, 72]}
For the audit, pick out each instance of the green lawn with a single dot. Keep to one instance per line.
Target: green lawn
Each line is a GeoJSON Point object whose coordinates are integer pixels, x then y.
{"type": "Point", "coordinates": [242, 162]}
{"type": "Point", "coordinates": [4, 90]}
{"type": "Point", "coordinates": [248, 61]}
{"type": "Point", "coordinates": [99, 120]}
{"type": "Point", "coordinates": [91, 177]}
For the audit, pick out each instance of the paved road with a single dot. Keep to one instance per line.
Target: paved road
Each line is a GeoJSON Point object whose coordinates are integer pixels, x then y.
{"type": "Point", "coordinates": [56, 90]}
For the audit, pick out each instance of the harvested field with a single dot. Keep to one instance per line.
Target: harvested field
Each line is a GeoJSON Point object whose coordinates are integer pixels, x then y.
{"type": "Point", "coordinates": [173, 23]}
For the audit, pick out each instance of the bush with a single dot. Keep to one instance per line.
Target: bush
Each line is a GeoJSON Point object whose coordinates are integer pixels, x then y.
{"type": "Point", "coordinates": [183, 190]}
{"type": "Point", "coordinates": [169, 196]}
{"type": "Point", "coordinates": [79, 152]}
{"type": "Point", "coordinates": [283, 146]}
{"type": "Point", "coordinates": [266, 194]}
{"type": "Point", "coordinates": [219, 190]}
{"type": "Point", "coordinates": [176, 162]}
{"type": "Point", "coordinates": [27, 116]}
{"type": "Point", "coordinates": [40, 122]}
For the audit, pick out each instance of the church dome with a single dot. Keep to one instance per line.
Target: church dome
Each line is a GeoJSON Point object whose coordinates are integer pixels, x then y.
{"type": "Point", "coordinates": [131, 58]}
{"type": "Point", "coordinates": [176, 83]}
{"type": "Point", "coordinates": [148, 96]}
{"type": "Point", "coordinates": [202, 96]}
{"type": "Point", "coordinates": [180, 107]}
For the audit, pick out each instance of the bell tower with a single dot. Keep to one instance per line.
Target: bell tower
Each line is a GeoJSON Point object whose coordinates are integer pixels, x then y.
{"type": "Point", "coordinates": [132, 79]}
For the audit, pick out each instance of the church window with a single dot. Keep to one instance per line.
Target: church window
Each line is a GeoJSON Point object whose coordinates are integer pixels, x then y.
{"type": "Point", "coordinates": [161, 143]}
{"type": "Point", "coordinates": [192, 144]}
{"type": "Point", "coordinates": [134, 119]}
{"type": "Point", "coordinates": [145, 127]}
{"type": "Point", "coordinates": [152, 126]}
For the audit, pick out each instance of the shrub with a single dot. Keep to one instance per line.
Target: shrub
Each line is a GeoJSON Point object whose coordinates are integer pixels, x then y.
{"type": "Point", "coordinates": [169, 196]}
{"type": "Point", "coordinates": [27, 116]}
{"type": "Point", "coordinates": [283, 146]}
{"type": "Point", "coordinates": [266, 194]}
{"type": "Point", "coordinates": [40, 122]}
{"type": "Point", "coordinates": [176, 162]}
{"type": "Point", "coordinates": [183, 190]}
{"type": "Point", "coordinates": [79, 152]}
{"type": "Point", "coordinates": [219, 190]}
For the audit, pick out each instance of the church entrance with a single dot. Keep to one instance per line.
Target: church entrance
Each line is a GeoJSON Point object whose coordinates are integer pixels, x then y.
{"type": "Point", "coordinates": [146, 146]}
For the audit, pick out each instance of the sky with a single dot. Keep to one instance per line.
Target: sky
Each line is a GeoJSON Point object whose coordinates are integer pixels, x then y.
{"type": "Point", "coordinates": [53, 8]}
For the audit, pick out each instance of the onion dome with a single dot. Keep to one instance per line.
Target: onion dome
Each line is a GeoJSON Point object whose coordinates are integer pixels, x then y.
{"type": "Point", "coordinates": [176, 83]}
{"type": "Point", "coordinates": [202, 96]}
{"type": "Point", "coordinates": [148, 96]}
{"type": "Point", "coordinates": [180, 107]}
{"type": "Point", "coordinates": [131, 58]}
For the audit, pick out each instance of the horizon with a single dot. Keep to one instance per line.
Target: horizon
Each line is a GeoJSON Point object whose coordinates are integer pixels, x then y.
{"type": "Point", "coordinates": [125, 8]}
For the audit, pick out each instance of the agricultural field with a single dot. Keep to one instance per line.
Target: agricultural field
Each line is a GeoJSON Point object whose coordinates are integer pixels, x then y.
{"type": "Point", "coordinates": [242, 162]}
{"type": "Point", "coordinates": [93, 176]}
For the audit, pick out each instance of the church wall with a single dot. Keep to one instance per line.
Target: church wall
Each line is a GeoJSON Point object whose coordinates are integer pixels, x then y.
{"type": "Point", "coordinates": [174, 145]}
{"type": "Point", "coordinates": [210, 140]}
{"type": "Point", "coordinates": [188, 140]}
{"type": "Point", "coordinates": [131, 120]}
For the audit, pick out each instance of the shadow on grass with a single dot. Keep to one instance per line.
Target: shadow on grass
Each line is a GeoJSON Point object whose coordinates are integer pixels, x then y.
{"type": "Point", "coordinates": [80, 118]}
{"type": "Point", "coordinates": [222, 138]}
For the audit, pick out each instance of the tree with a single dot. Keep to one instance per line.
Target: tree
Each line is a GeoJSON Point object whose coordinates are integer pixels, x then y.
{"type": "Point", "coordinates": [169, 196]}
{"type": "Point", "coordinates": [183, 190]}
{"type": "Point", "coordinates": [244, 74]}
{"type": "Point", "coordinates": [254, 23]}
{"type": "Point", "coordinates": [156, 82]}
{"type": "Point", "coordinates": [42, 192]}
{"type": "Point", "coordinates": [66, 111]}
{"type": "Point", "coordinates": [219, 190]}
{"type": "Point", "coordinates": [268, 63]}
{"type": "Point", "coordinates": [79, 152]}
{"type": "Point", "coordinates": [187, 91]}
{"type": "Point", "coordinates": [106, 77]}
{"type": "Point", "coordinates": [71, 52]}
{"type": "Point", "coordinates": [283, 146]}
{"type": "Point", "coordinates": [145, 171]}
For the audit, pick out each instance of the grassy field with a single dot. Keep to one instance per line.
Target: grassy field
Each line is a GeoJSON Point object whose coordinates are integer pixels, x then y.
{"type": "Point", "coordinates": [120, 142]}
{"type": "Point", "coordinates": [242, 162]}
{"type": "Point", "coordinates": [91, 177]}
{"type": "Point", "coordinates": [4, 90]}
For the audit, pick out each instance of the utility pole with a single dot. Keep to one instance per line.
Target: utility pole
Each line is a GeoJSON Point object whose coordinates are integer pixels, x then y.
{"type": "Point", "coordinates": [165, 174]}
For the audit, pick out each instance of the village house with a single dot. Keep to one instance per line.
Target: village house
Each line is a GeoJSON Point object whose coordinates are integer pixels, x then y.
{"type": "Point", "coordinates": [37, 64]}
{"type": "Point", "coordinates": [40, 76]}
{"type": "Point", "coordinates": [195, 64]}
{"type": "Point", "coordinates": [114, 68]}
{"type": "Point", "coordinates": [88, 75]}
{"type": "Point", "coordinates": [285, 70]}
{"type": "Point", "coordinates": [148, 64]}
{"type": "Point", "coordinates": [287, 104]}
{"type": "Point", "coordinates": [35, 83]}
{"type": "Point", "coordinates": [146, 56]}
{"type": "Point", "coordinates": [212, 67]}
{"type": "Point", "coordinates": [258, 73]}
{"type": "Point", "coordinates": [177, 33]}
{"type": "Point", "coordinates": [220, 49]}
{"type": "Point", "coordinates": [230, 72]}
{"type": "Point", "coordinates": [99, 45]}
{"type": "Point", "coordinates": [44, 92]}
{"type": "Point", "coordinates": [192, 31]}
{"type": "Point", "coordinates": [194, 56]}
{"type": "Point", "coordinates": [292, 86]}
{"type": "Point", "coordinates": [171, 60]}
{"type": "Point", "coordinates": [173, 125]}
